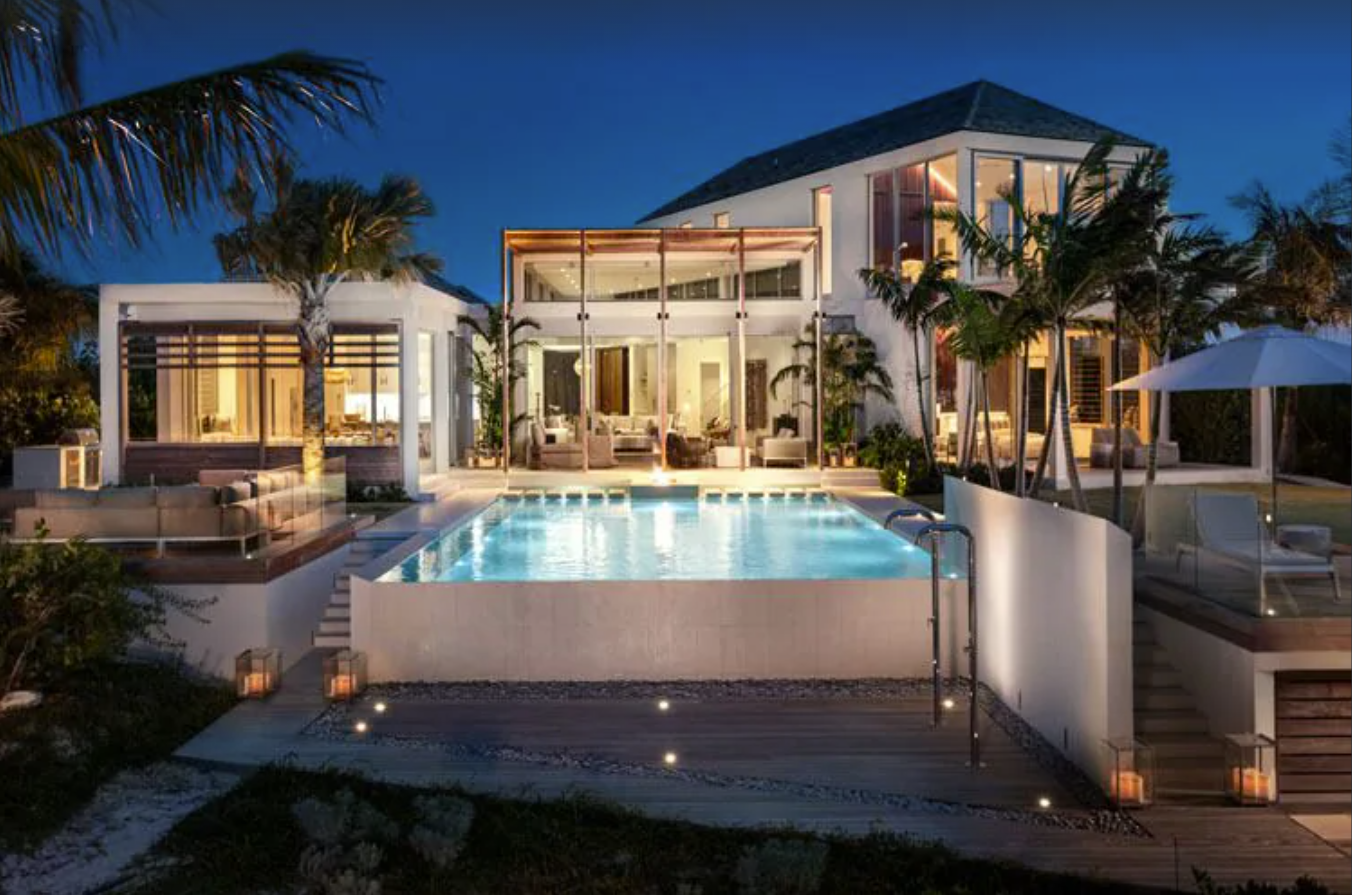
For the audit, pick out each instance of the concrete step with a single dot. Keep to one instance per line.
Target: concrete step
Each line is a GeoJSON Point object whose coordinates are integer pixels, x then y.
{"type": "Point", "coordinates": [333, 641]}
{"type": "Point", "coordinates": [341, 626]}
{"type": "Point", "coordinates": [1172, 746]}
{"type": "Point", "coordinates": [1148, 698]}
{"type": "Point", "coordinates": [1156, 721]}
{"type": "Point", "coordinates": [341, 599]}
{"type": "Point", "coordinates": [1151, 676]}
{"type": "Point", "coordinates": [343, 584]}
{"type": "Point", "coordinates": [336, 613]}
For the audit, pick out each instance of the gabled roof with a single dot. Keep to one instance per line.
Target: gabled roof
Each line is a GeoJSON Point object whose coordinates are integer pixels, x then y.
{"type": "Point", "coordinates": [978, 106]}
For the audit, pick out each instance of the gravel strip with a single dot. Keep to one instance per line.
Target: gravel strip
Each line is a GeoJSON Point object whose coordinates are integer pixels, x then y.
{"type": "Point", "coordinates": [1101, 817]}
{"type": "Point", "coordinates": [125, 818]}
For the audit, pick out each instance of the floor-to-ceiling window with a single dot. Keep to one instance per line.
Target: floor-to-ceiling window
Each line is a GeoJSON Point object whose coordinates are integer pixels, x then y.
{"type": "Point", "coordinates": [995, 192]}
{"type": "Point", "coordinates": [902, 233]}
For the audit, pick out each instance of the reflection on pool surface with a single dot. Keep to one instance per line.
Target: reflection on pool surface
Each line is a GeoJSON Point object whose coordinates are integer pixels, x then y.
{"type": "Point", "coordinates": [647, 540]}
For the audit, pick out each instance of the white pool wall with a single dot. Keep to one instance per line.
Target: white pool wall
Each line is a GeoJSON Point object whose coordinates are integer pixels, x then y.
{"type": "Point", "coordinates": [652, 630]}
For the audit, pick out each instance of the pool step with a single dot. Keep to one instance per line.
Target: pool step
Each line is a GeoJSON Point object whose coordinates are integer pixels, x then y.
{"type": "Point", "coordinates": [335, 626]}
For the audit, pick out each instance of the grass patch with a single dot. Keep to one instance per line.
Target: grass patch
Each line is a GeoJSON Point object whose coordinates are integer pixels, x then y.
{"type": "Point", "coordinates": [249, 841]}
{"type": "Point", "coordinates": [104, 720]}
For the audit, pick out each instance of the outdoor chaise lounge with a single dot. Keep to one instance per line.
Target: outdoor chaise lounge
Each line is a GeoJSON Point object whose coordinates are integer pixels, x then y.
{"type": "Point", "coordinates": [1230, 531]}
{"type": "Point", "coordinates": [789, 450]}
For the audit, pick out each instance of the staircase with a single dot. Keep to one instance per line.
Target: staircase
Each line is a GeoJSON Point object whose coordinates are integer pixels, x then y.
{"type": "Point", "coordinates": [335, 627]}
{"type": "Point", "coordinates": [1188, 760]}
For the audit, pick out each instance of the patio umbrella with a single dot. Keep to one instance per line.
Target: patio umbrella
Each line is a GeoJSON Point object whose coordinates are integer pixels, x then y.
{"type": "Point", "coordinates": [1268, 357]}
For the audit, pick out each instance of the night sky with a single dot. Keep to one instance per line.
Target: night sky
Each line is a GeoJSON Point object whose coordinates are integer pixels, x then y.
{"type": "Point", "coordinates": [578, 113]}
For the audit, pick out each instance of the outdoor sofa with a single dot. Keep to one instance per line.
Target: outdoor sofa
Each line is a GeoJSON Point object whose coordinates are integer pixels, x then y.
{"type": "Point", "coordinates": [783, 449]}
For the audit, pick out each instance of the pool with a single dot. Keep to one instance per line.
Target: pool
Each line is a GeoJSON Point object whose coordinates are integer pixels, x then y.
{"type": "Point", "coordinates": [737, 539]}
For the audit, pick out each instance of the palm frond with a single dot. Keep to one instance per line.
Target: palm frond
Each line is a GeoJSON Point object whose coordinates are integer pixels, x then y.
{"type": "Point", "coordinates": [121, 165]}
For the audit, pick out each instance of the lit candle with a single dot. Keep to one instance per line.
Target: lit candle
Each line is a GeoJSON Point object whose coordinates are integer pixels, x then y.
{"type": "Point", "coordinates": [342, 686]}
{"type": "Point", "coordinates": [255, 683]}
{"type": "Point", "coordinates": [1127, 787]}
{"type": "Point", "coordinates": [1251, 784]}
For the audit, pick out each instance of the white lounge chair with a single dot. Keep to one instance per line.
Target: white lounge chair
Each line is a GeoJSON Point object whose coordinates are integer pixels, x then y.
{"type": "Point", "coordinates": [1229, 530]}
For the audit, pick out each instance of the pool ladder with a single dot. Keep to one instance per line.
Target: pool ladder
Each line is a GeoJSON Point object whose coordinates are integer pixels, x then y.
{"type": "Point", "coordinates": [931, 532]}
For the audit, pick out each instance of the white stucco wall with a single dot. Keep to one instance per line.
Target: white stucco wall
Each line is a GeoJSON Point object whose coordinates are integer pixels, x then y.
{"type": "Point", "coordinates": [647, 630]}
{"type": "Point", "coordinates": [282, 613]}
{"type": "Point", "coordinates": [1054, 607]}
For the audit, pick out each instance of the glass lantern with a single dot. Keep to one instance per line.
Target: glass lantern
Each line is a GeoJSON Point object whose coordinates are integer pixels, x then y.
{"type": "Point", "coordinates": [258, 672]}
{"type": "Point", "coordinates": [849, 455]}
{"type": "Point", "coordinates": [344, 674]}
{"type": "Point", "coordinates": [1131, 772]}
{"type": "Point", "coordinates": [1250, 769]}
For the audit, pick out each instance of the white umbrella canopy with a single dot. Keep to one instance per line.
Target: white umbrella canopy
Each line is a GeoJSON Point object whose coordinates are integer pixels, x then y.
{"type": "Point", "coordinates": [1268, 357]}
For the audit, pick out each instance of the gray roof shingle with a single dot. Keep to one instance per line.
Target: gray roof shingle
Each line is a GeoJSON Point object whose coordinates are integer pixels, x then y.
{"type": "Point", "coordinates": [978, 106]}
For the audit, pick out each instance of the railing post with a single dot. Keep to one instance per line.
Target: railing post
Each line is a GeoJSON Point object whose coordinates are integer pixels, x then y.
{"type": "Point", "coordinates": [936, 674]}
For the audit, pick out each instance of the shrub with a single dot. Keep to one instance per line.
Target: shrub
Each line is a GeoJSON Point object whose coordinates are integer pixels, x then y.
{"type": "Point", "coordinates": [33, 413]}
{"type": "Point", "coordinates": [67, 607]}
{"type": "Point", "coordinates": [444, 824]}
{"type": "Point", "coordinates": [389, 492]}
{"type": "Point", "coordinates": [899, 458]}
{"type": "Point", "coordinates": [782, 867]}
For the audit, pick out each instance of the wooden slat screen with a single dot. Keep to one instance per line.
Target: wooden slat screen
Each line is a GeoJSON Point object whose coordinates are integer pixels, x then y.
{"type": "Point", "coordinates": [158, 346]}
{"type": "Point", "coordinates": [1314, 734]}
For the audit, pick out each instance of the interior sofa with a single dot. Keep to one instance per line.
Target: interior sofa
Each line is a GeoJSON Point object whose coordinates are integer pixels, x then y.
{"type": "Point", "coordinates": [155, 515]}
{"type": "Point", "coordinates": [630, 433]}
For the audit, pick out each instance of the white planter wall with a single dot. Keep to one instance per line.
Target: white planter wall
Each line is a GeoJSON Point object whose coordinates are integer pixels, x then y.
{"type": "Point", "coordinates": [1054, 606]}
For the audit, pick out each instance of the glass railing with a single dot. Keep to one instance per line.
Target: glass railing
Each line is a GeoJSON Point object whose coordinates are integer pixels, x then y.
{"type": "Point", "coordinates": [285, 507]}
{"type": "Point", "coordinates": [1225, 545]}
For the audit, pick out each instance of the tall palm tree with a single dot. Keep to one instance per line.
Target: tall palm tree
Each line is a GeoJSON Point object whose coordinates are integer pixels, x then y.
{"type": "Point", "coordinates": [1183, 293]}
{"type": "Point", "coordinates": [1064, 261]}
{"type": "Point", "coordinates": [1302, 280]}
{"type": "Point", "coordinates": [71, 171]}
{"type": "Point", "coordinates": [984, 336]}
{"type": "Point", "coordinates": [919, 307]}
{"type": "Point", "coordinates": [317, 235]}
{"type": "Point", "coordinates": [49, 317]}
{"type": "Point", "coordinates": [850, 371]}
{"type": "Point", "coordinates": [494, 362]}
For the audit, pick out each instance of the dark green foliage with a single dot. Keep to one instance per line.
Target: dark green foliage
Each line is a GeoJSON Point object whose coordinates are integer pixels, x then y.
{"type": "Point", "coordinates": [33, 412]}
{"type": "Point", "coordinates": [103, 719]}
{"type": "Point", "coordinates": [899, 457]}
{"type": "Point", "coordinates": [67, 607]}
{"type": "Point", "coordinates": [1323, 421]}
{"type": "Point", "coordinates": [390, 492]}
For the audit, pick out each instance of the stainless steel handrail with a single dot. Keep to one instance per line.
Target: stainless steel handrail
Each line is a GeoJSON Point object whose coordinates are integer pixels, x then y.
{"type": "Point", "coordinates": [936, 674]}
{"type": "Point", "coordinates": [929, 532]}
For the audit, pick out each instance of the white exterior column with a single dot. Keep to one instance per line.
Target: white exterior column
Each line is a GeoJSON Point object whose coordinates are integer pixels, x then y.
{"type": "Point", "coordinates": [1260, 431]}
{"type": "Point", "coordinates": [408, 398]}
{"type": "Point", "coordinates": [1163, 398]}
{"type": "Point", "coordinates": [443, 435]}
{"type": "Point", "coordinates": [110, 391]}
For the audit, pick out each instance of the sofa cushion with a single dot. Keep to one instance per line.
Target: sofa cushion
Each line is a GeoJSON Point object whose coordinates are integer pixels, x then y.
{"type": "Point", "coordinates": [66, 498]}
{"type": "Point", "coordinates": [185, 497]}
{"type": "Point", "coordinates": [190, 522]}
{"type": "Point", "coordinates": [236, 492]}
{"type": "Point", "coordinates": [91, 522]}
{"type": "Point", "coordinates": [126, 498]}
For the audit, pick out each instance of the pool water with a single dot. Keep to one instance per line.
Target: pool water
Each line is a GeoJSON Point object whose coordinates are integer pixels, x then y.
{"type": "Point", "coordinates": [647, 540]}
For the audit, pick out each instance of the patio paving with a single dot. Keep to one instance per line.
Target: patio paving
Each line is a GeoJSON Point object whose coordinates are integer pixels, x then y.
{"type": "Point", "coordinates": [856, 744]}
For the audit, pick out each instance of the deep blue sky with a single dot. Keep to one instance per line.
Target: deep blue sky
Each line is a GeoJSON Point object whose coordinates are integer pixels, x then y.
{"type": "Point", "coordinates": [585, 113]}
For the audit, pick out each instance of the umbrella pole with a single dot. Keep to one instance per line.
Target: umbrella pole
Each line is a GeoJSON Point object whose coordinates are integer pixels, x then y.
{"type": "Point", "coordinates": [1272, 439]}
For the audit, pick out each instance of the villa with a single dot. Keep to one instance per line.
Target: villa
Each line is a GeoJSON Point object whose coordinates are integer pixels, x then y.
{"type": "Point", "coordinates": [675, 360]}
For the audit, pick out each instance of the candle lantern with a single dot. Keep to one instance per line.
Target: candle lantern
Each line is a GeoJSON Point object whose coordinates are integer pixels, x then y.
{"type": "Point", "coordinates": [344, 674]}
{"type": "Point", "coordinates": [849, 455]}
{"type": "Point", "coordinates": [258, 672]}
{"type": "Point", "coordinates": [1131, 772]}
{"type": "Point", "coordinates": [1250, 769]}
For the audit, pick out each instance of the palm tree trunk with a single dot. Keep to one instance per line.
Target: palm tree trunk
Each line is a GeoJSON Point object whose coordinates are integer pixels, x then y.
{"type": "Point", "coordinates": [921, 400]}
{"type": "Point", "coordinates": [968, 446]}
{"type": "Point", "coordinates": [1151, 464]}
{"type": "Point", "coordinates": [312, 427]}
{"type": "Point", "coordinates": [1021, 426]}
{"type": "Point", "coordinates": [990, 441]}
{"type": "Point", "coordinates": [1049, 430]}
{"type": "Point", "coordinates": [1119, 508]}
{"type": "Point", "coordinates": [1286, 447]}
{"type": "Point", "coordinates": [1067, 441]}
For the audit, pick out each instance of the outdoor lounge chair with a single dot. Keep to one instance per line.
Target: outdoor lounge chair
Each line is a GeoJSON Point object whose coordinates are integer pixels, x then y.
{"type": "Point", "coordinates": [1229, 530]}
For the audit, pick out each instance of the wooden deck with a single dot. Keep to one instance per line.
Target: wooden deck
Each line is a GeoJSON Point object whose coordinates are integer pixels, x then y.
{"type": "Point", "coordinates": [868, 744]}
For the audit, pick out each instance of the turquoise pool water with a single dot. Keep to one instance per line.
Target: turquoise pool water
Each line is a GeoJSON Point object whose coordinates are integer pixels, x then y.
{"type": "Point", "coordinates": [651, 540]}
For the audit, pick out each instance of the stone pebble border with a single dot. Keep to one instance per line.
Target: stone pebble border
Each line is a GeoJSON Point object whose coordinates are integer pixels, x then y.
{"type": "Point", "coordinates": [1101, 817]}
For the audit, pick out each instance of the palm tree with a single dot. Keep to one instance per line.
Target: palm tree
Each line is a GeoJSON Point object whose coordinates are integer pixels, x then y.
{"type": "Point", "coordinates": [984, 336]}
{"type": "Point", "coordinates": [1065, 261]}
{"type": "Point", "coordinates": [318, 235]}
{"type": "Point", "coordinates": [1183, 293]}
{"type": "Point", "coordinates": [1302, 281]}
{"type": "Point", "coordinates": [919, 307]}
{"type": "Point", "coordinates": [850, 371]}
{"type": "Point", "coordinates": [492, 363]}
{"type": "Point", "coordinates": [119, 165]}
{"type": "Point", "coordinates": [49, 318]}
